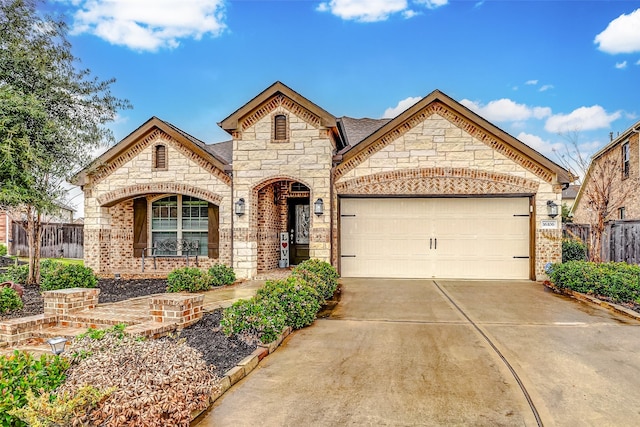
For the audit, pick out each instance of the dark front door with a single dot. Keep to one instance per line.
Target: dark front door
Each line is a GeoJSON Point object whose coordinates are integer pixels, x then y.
{"type": "Point", "coordinates": [299, 220]}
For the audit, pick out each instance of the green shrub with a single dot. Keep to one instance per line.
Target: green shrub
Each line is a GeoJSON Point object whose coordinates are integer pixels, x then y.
{"type": "Point", "coordinates": [616, 280]}
{"type": "Point", "coordinates": [263, 319]}
{"type": "Point", "coordinates": [327, 273]}
{"type": "Point", "coordinates": [220, 275]}
{"type": "Point", "coordinates": [298, 300]}
{"type": "Point", "coordinates": [65, 276]}
{"type": "Point", "coordinates": [9, 300]}
{"type": "Point", "coordinates": [64, 409]}
{"type": "Point", "coordinates": [16, 274]}
{"type": "Point", "coordinates": [189, 279]}
{"type": "Point", "coordinates": [316, 282]}
{"type": "Point", "coordinates": [22, 372]}
{"type": "Point", "coordinates": [3, 250]}
{"type": "Point", "coordinates": [573, 250]}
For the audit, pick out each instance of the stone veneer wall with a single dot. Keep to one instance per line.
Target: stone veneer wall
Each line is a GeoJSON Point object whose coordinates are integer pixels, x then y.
{"type": "Point", "coordinates": [631, 204]}
{"type": "Point", "coordinates": [436, 156]}
{"type": "Point", "coordinates": [258, 162]}
{"type": "Point", "coordinates": [110, 191]}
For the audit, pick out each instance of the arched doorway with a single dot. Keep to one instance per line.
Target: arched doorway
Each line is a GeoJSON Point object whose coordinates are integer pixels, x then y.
{"type": "Point", "coordinates": [283, 219]}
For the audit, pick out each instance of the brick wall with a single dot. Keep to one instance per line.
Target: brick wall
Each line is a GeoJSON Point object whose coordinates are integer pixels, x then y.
{"type": "Point", "coordinates": [436, 155]}
{"type": "Point", "coordinates": [259, 162]}
{"type": "Point", "coordinates": [111, 190]}
{"type": "Point", "coordinates": [582, 213]}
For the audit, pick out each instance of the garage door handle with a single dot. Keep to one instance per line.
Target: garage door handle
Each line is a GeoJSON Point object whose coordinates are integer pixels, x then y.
{"type": "Point", "coordinates": [435, 243]}
{"type": "Point", "coordinates": [347, 256]}
{"type": "Point", "coordinates": [430, 243]}
{"type": "Point", "coordinates": [521, 257]}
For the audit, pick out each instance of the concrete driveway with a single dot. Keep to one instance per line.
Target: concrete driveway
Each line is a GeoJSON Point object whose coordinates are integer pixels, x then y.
{"type": "Point", "coordinates": [425, 352]}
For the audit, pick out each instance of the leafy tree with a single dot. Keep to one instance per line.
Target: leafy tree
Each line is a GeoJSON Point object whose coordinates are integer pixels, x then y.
{"type": "Point", "coordinates": [52, 116]}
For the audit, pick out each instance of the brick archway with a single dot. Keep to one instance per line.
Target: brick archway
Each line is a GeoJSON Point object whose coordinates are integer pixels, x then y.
{"type": "Point", "coordinates": [270, 215]}
{"type": "Point", "coordinates": [116, 196]}
{"type": "Point", "coordinates": [437, 181]}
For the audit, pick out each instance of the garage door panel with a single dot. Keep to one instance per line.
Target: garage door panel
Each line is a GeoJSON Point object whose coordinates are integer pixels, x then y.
{"type": "Point", "coordinates": [447, 238]}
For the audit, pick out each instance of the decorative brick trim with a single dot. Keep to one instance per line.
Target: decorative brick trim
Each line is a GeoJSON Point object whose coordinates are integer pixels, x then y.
{"type": "Point", "coordinates": [113, 197]}
{"type": "Point", "coordinates": [275, 102]}
{"type": "Point", "coordinates": [429, 181]}
{"type": "Point", "coordinates": [454, 118]}
{"type": "Point", "coordinates": [157, 135]}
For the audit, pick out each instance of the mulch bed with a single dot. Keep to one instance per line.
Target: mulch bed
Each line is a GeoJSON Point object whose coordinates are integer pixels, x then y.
{"type": "Point", "coordinates": [218, 350]}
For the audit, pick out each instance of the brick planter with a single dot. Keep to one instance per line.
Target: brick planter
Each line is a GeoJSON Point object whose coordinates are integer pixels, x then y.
{"type": "Point", "coordinates": [181, 309]}
{"type": "Point", "coordinates": [66, 301]}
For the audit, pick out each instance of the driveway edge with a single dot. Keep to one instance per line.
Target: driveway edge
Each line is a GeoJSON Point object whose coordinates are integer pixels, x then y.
{"type": "Point", "coordinates": [242, 369]}
{"type": "Point", "coordinates": [593, 300]}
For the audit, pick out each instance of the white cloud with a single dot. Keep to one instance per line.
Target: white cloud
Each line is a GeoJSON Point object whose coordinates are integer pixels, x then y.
{"type": "Point", "coordinates": [402, 105]}
{"type": "Point", "coordinates": [531, 82]}
{"type": "Point", "coordinates": [581, 119]}
{"type": "Point", "coordinates": [432, 4]}
{"type": "Point", "coordinates": [506, 110]}
{"type": "Point", "coordinates": [545, 88]}
{"type": "Point", "coordinates": [621, 65]}
{"type": "Point", "coordinates": [149, 25]}
{"type": "Point", "coordinates": [638, 62]}
{"type": "Point", "coordinates": [363, 10]}
{"type": "Point", "coordinates": [622, 35]}
{"type": "Point", "coordinates": [375, 10]}
{"type": "Point", "coordinates": [539, 144]}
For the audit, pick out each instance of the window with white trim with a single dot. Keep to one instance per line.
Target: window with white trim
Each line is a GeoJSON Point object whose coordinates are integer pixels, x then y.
{"type": "Point", "coordinates": [180, 217]}
{"type": "Point", "coordinates": [626, 157]}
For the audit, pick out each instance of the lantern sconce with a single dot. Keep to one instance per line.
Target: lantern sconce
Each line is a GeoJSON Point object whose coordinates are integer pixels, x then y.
{"type": "Point", "coordinates": [318, 207]}
{"type": "Point", "coordinates": [552, 209]}
{"type": "Point", "coordinates": [57, 345]}
{"type": "Point", "coordinates": [240, 207]}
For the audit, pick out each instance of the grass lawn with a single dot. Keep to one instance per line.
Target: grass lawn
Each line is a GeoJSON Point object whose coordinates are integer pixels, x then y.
{"type": "Point", "coordinates": [60, 260]}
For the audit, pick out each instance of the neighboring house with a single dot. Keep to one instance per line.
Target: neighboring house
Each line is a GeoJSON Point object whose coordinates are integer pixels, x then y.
{"type": "Point", "coordinates": [569, 195]}
{"type": "Point", "coordinates": [624, 153]}
{"type": "Point", "coordinates": [435, 192]}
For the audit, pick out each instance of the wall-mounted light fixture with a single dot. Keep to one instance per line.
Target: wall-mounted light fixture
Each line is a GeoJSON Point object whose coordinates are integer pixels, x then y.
{"type": "Point", "coordinates": [57, 345]}
{"type": "Point", "coordinates": [240, 207]}
{"type": "Point", "coordinates": [318, 207]}
{"type": "Point", "coordinates": [552, 209]}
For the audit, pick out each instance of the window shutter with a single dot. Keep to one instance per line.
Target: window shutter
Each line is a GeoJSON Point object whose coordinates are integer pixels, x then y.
{"type": "Point", "coordinates": [139, 226]}
{"type": "Point", "coordinates": [213, 235]}
{"type": "Point", "coordinates": [280, 127]}
{"type": "Point", "coordinates": [161, 156]}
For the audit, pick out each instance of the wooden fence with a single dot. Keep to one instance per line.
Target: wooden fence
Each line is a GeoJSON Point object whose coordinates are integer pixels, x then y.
{"type": "Point", "coordinates": [58, 241]}
{"type": "Point", "coordinates": [620, 239]}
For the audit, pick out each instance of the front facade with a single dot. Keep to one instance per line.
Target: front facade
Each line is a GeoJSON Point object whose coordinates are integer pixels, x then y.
{"type": "Point", "coordinates": [435, 192]}
{"type": "Point", "coordinates": [615, 167]}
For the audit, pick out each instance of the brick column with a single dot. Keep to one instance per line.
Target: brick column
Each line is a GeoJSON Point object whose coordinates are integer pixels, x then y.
{"type": "Point", "coordinates": [182, 309]}
{"type": "Point", "coordinates": [66, 301]}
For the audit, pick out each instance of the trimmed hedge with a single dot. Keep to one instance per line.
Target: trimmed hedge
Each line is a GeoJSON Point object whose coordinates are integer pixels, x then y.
{"type": "Point", "coordinates": [3, 250]}
{"type": "Point", "coordinates": [221, 275]}
{"type": "Point", "coordinates": [616, 280]}
{"type": "Point", "coordinates": [573, 250]}
{"type": "Point", "coordinates": [263, 319]}
{"type": "Point", "coordinates": [327, 273]}
{"type": "Point", "coordinates": [64, 276]}
{"type": "Point", "coordinates": [189, 279]}
{"type": "Point", "coordinates": [298, 300]}
{"type": "Point", "coordinates": [9, 300]}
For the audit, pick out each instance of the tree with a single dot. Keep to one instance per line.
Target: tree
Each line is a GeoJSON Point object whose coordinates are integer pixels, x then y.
{"type": "Point", "coordinates": [602, 192]}
{"type": "Point", "coordinates": [52, 116]}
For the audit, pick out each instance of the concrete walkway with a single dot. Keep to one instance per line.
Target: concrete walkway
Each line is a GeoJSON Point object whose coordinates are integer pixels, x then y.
{"type": "Point", "coordinates": [431, 353]}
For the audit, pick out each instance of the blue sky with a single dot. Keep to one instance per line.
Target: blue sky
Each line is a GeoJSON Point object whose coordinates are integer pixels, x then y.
{"type": "Point", "coordinates": [536, 69]}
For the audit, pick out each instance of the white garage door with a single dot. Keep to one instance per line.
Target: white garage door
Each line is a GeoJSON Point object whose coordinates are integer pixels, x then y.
{"type": "Point", "coordinates": [478, 238]}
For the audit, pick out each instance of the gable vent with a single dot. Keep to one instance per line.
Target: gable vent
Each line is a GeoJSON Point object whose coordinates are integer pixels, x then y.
{"type": "Point", "coordinates": [280, 127]}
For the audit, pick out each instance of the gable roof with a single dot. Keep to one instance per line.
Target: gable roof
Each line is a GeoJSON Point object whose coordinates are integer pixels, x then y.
{"type": "Point", "coordinates": [635, 128]}
{"type": "Point", "coordinates": [223, 150]}
{"type": "Point", "coordinates": [562, 175]}
{"type": "Point", "coordinates": [231, 122]}
{"type": "Point", "coordinates": [571, 191]}
{"type": "Point", "coordinates": [146, 128]}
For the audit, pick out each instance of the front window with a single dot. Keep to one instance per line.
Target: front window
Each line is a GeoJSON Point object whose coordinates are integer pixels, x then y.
{"type": "Point", "coordinates": [621, 212]}
{"type": "Point", "coordinates": [625, 160]}
{"type": "Point", "coordinates": [180, 218]}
